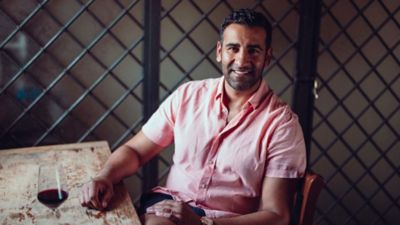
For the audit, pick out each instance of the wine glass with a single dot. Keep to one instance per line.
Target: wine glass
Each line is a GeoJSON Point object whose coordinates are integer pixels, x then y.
{"type": "Point", "coordinates": [52, 189]}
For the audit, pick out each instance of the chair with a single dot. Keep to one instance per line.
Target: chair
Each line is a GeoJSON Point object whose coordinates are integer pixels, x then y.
{"type": "Point", "coordinates": [306, 199]}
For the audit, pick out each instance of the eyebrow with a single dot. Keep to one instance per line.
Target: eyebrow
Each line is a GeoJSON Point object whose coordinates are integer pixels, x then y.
{"type": "Point", "coordinates": [248, 46]}
{"type": "Point", "coordinates": [232, 45]}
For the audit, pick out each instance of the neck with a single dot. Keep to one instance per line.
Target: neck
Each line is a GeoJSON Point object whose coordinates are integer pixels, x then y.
{"type": "Point", "coordinates": [237, 98]}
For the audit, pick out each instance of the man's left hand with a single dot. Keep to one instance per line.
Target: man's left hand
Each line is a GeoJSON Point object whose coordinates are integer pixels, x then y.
{"type": "Point", "coordinates": [177, 211]}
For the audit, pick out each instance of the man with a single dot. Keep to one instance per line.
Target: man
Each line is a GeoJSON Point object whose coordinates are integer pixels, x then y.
{"type": "Point", "coordinates": [237, 146]}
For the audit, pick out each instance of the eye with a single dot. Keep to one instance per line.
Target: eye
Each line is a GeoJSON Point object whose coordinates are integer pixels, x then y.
{"type": "Point", "coordinates": [254, 51]}
{"type": "Point", "coordinates": [232, 48]}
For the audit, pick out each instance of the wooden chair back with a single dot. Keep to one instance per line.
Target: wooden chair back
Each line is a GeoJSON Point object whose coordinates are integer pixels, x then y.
{"type": "Point", "coordinates": [306, 199]}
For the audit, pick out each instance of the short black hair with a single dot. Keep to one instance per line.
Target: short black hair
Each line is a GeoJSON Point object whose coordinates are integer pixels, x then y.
{"type": "Point", "coordinates": [249, 18]}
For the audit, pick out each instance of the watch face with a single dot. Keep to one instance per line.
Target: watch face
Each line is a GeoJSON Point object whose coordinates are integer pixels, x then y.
{"type": "Point", "coordinates": [206, 221]}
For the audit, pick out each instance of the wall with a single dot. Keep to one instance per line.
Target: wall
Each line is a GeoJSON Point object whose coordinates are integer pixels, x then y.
{"type": "Point", "coordinates": [356, 130]}
{"type": "Point", "coordinates": [74, 73]}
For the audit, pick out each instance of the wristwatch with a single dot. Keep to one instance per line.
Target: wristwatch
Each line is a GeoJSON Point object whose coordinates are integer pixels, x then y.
{"type": "Point", "coordinates": [206, 221]}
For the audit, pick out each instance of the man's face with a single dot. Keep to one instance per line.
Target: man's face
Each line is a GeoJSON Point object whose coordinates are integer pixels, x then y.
{"type": "Point", "coordinates": [243, 55]}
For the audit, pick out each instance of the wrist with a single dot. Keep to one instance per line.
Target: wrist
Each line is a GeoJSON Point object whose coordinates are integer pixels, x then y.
{"type": "Point", "coordinates": [106, 175]}
{"type": "Point", "coordinates": [103, 178]}
{"type": "Point", "coordinates": [206, 221]}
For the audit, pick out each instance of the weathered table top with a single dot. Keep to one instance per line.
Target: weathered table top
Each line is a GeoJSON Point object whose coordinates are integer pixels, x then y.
{"type": "Point", "coordinates": [18, 186]}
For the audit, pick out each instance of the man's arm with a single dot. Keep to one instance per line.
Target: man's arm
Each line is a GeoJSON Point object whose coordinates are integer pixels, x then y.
{"type": "Point", "coordinates": [275, 205]}
{"type": "Point", "coordinates": [128, 158]}
{"type": "Point", "coordinates": [123, 162]}
{"type": "Point", "coordinates": [274, 208]}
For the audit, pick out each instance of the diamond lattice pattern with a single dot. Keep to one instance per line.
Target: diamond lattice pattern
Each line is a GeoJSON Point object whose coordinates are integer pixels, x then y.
{"type": "Point", "coordinates": [356, 135]}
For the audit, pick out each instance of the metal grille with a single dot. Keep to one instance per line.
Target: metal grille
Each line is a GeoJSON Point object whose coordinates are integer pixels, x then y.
{"type": "Point", "coordinates": [69, 75]}
{"type": "Point", "coordinates": [72, 71]}
{"type": "Point", "coordinates": [356, 127]}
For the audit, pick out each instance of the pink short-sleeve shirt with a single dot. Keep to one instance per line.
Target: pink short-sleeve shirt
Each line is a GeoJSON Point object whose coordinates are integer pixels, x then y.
{"type": "Point", "coordinates": [220, 166]}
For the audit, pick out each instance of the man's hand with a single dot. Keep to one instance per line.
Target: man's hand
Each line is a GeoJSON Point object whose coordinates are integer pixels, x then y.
{"type": "Point", "coordinates": [97, 193]}
{"type": "Point", "coordinates": [177, 211]}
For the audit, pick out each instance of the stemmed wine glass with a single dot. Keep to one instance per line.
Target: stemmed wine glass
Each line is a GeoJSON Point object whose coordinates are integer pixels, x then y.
{"type": "Point", "coordinates": [52, 190]}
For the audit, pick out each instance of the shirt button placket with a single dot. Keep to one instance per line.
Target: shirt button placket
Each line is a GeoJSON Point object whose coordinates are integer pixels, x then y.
{"type": "Point", "coordinates": [201, 195]}
{"type": "Point", "coordinates": [205, 180]}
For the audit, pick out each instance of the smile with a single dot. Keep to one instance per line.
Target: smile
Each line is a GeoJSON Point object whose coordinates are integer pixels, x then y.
{"type": "Point", "coordinates": [242, 72]}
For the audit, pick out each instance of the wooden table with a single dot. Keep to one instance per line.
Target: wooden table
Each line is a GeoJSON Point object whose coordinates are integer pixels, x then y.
{"type": "Point", "coordinates": [18, 186]}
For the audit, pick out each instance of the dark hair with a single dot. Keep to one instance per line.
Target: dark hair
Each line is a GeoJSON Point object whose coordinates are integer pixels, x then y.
{"type": "Point", "coordinates": [249, 18]}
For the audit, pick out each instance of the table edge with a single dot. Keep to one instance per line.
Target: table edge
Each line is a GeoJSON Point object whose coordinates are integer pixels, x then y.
{"type": "Point", "coordinates": [45, 148]}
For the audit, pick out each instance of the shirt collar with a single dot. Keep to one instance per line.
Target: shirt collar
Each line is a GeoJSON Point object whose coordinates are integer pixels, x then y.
{"type": "Point", "coordinates": [254, 100]}
{"type": "Point", "coordinates": [220, 88]}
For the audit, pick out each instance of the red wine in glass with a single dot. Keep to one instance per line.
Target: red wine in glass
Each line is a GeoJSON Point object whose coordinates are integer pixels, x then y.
{"type": "Point", "coordinates": [51, 186]}
{"type": "Point", "coordinates": [52, 198]}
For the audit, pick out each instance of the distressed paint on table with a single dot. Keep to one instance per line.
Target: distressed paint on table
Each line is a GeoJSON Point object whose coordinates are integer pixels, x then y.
{"type": "Point", "coordinates": [18, 186]}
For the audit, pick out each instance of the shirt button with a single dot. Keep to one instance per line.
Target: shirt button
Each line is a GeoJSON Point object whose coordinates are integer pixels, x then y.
{"type": "Point", "coordinates": [202, 186]}
{"type": "Point", "coordinates": [210, 162]}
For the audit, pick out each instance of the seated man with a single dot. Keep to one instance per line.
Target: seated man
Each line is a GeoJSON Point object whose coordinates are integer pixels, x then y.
{"type": "Point", "coordinates": [237, 145]}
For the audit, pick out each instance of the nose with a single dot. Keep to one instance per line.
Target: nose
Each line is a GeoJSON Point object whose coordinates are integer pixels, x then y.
{"type": "Point", "coordinates": [242, 58]}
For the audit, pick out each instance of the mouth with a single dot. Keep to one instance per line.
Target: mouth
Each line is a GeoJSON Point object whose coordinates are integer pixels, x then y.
{"type": "Point", "coordinates": [241, 73]}
{"type": "Point", "coordinates": [241, 70]}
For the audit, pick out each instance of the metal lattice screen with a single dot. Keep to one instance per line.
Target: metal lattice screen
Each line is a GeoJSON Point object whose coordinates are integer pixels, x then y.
{"type": "Point", "coordinates": [72, 70]}
{"type": "Point", "coordinates": [356, 126]}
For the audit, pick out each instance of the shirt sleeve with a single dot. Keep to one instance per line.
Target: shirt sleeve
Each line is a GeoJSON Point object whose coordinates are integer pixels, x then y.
{"type": "Point", "coordinates": [287, 152]}
{"type": "Point", "coordinates": [160, 127]}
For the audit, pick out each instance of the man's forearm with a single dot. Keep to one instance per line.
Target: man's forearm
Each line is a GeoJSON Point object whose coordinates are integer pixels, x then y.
{"type": "Point", "coordinates": [122, 163]}
{"type": "Point", "coordinates": [258, 218]}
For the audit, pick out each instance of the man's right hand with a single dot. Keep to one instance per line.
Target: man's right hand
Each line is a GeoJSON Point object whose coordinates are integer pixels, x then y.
{"type": "Point", "coordinates": [97, 193]}
{"type": "Point", "coordinates": [123, 162]}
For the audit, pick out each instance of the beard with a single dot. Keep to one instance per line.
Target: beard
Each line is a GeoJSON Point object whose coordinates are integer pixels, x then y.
{"type": "Point", "coordinates": [243, 81]}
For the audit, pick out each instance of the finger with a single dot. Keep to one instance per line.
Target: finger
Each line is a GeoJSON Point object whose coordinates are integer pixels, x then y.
{"type": "Point", "coordinates": [106, 197]}
{"type": "Point", "coordinates": [150, 210]}
{"type": "Point", "coordinates": [93, 196]}
{"type": "Point", "coordinates": [165, 212]}
{"type": "Point", "coordinates": [155, 208]}
{"type": "Point", "coordinates": [85, 195]}
{"type": "Point", "coordinates": [165, 203]}
{"type": "Point", "coordinates": [81, 199]}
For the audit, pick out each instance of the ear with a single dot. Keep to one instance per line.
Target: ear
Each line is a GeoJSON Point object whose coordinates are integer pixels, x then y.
{"type": "Point", "coordinates": [268, 56]}
{"type": "Point", "coordinates": [218, 51]}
